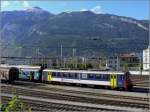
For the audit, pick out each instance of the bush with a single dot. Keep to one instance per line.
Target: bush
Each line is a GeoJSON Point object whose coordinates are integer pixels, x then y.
{"type": "Point", "coordinates": [14, 106]}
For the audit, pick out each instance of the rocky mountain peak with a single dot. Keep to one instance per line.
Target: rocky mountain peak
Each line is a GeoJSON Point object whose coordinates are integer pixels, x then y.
{"type": "Point", "coordinates": [35, 9]}
{"type": "Point", "coordinates": [112, 32]}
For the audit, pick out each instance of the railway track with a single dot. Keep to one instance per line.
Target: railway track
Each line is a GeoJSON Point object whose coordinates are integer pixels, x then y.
{"type": "Point", "coordinates": [93, 94]}
{"type": "Point", "coordinates": [121, 101]}
{"type": "Point", "coordinates": [71, 92]}
{"type": "Point", "coordinates": [143, 87]}
{"type": "Point", "coordinates": [140, 80]}
{"type": "Point", "coordinates": [61, 89]}
{"type": "Point", "coordinates": [53, 107]}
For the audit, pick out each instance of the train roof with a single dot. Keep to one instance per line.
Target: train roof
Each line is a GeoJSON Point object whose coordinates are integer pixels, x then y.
{"type": "Point", "coordinates": [84, 71]}
{"type": "Point", "coordinates": [20, 66]}
{"type": "Point", "coordinates": [29, 69]}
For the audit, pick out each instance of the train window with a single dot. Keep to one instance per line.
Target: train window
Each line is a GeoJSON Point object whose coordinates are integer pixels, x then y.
{"type": "Point", "coordinates": [84, 75]}
{"type": "Point", "coordinates": [65, 75]}
{"type": "Point", "coordinates": [71, 75]}
{"type": "Point", "coordinates": [58, 74]}
{"type": "Point", "coordinates": [76, 75]}
{"type": "Point", "coordinates": [122, 77]}
{"type": "Point", "coordinates": [36, 76]}
{"type": "Point", "coordinates": [98, 76]}
{"type": "Point", "coordinates": [91, 76]}
{"type": "Point", "coordinates": [114, 76]}
{"type": "Point", "coordinates": [54, 74]}
{"type": "Point", "coordinates": [111, 76]}
{"type": "Point", "coordinates": [119, 77]}
{"type": "Point", "coordinates": [105, 76]}
{"type": "Point", "coordinates": [26, 73]}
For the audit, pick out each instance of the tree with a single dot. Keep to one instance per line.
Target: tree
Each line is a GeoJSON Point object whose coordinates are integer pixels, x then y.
{"type": "Point", "coordinates": [124, 66]}
{"type": "Point", "coordinates": [14, 106]}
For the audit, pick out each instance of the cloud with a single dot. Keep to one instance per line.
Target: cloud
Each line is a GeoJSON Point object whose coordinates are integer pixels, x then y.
{"type": "Point", "coordinates": [5, 4]}
{"type": "Point", "coordinates": [84, 10]}
{"type": "Point", "coordinates": [25, 4]}
{"type": "Point", "coordinates": [67, 11]}
{"type": "Point", "coordinates": [97, 9]}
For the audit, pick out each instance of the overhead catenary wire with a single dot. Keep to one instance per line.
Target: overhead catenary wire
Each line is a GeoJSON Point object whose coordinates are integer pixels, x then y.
{"type": "Point", "coordinates": [67, 47]}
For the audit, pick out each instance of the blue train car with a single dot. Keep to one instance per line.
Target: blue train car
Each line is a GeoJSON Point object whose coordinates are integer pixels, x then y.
{"type": "Point", "coordinates": [29, 73]}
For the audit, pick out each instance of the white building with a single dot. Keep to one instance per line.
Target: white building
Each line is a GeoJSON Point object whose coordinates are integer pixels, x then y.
{"type": "Point", "coordinates": [113, 62]}
{"type": "Point", "coordinates": [146, 59]}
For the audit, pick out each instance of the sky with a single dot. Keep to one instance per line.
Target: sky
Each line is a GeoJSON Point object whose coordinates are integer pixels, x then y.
{"type": "Point", "coordinates": [138, 9]}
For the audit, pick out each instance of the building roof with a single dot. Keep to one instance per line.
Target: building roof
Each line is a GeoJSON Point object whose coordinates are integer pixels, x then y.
{"type": "Point", "coordinates": [127, 55]}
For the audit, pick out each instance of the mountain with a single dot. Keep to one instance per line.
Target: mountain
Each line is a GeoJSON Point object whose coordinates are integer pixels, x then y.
{"type": "Point", "coordinates": [91, 34]}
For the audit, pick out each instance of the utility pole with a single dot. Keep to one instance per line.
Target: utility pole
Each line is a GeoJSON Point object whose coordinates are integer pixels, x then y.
{"type": "Point", "coordinates": [118, 63]}
{"type": "Point", "coordinates": [74, 57]}
{"type": "Point", "coordinates": [100, 63]}
{"type": "Point", "coordinates": [141, 66]}
{"type": "Point", "coordinates": [149, 50]}
{"type": "Point", "coordinates": [0, 52]}
{"type": "Point", "coordinates": [85, 62]}
{"type": "Point", "coordinates": [73, 52]}
{"type": "Point", "coordinates": [61, 55]}
{"type": "Point", "coordinates": [37, 55]}
{"type": "Point", "coordinates": [149, 57]}
{"type": "Point", "coordinates": [64, 63]}
{"type": "Point", "coordinates": [20, 55]}
{"type": "Point", "coordinates": [20, 51]}
{"type": "Point", "coordinates": [0, 48]}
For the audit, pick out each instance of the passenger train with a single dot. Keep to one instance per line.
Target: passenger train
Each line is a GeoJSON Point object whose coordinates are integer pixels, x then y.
{"type": "Point", "coordinates": [110, 79]}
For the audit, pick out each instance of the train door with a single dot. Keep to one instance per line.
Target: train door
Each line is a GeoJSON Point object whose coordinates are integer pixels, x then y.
{"type": "Point", "coordinates": [113, 81]}
{"type": "Point", "coordinates": [44, 76]}
{"type": "Point", "coordinates": [31, 75]}
{"type": "Point", "coordinates": [36, 75]}
{"type": "Point", "coordinates": [49, 76]}
{"type": "Point", "coordinates": [13, 74]}
{"type": "Point", "coordinates": [127, 81]}
{"type": "Point", "coordinates": [120, 81]}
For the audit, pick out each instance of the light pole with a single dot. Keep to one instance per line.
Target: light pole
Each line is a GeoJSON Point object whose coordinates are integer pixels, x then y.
{"type": "Point", "coordinates": [0, 52]}
{"type": "Point", "coordinates": [141, 64]}
{"type": "Point", "coordinates": [38, 55]}
{"type": "Point", "coordinates": [74, 57]}
{"type": "Point", "coordinates": [23, 61]}
{"type": "Point", "coordinates": [61, 55]}
{"type": "Point", "coordinates": [20, 51]}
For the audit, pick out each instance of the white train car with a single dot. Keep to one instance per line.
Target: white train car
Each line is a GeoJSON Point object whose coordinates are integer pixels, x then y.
{"type": "Point", "coordinates": [102, 78]}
